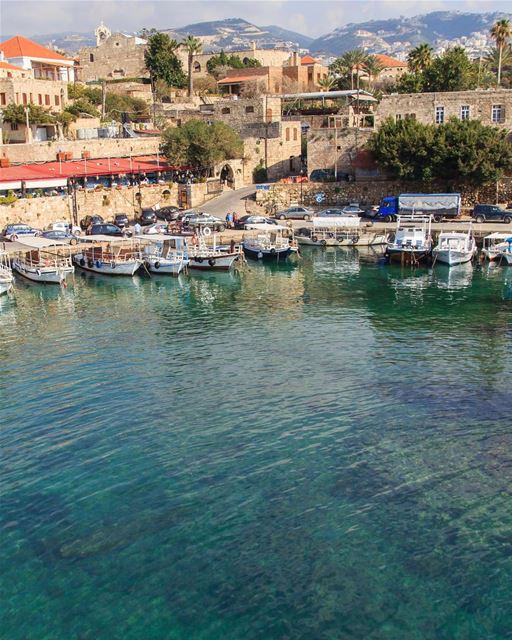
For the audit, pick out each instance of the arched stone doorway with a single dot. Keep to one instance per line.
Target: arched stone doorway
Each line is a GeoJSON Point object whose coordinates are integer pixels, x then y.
{"type": "Point", "coordinates": [227, 177]}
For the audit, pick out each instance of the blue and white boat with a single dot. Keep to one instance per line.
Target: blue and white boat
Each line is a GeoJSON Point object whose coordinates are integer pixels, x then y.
{"type": "Point", "coordinates": [6, 277]}
{"type": "Point", "coordinates": [273, 245]}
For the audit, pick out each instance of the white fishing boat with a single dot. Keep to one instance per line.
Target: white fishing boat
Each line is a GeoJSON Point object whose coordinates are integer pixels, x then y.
{"type": "Point", "coordinates": [455, 247]}
{"type": "Point", "coordinates": [270, 245]}
{"type": "Point", "coordinates": [412, 242]}
{"type": "Point", "coordinates": [165, 254]}
{"type": "Point", "coordinates": [109, 256]}
{"type": "Point", "coordinates": [6, 277]}
{"type": "Point", "coordinates": [505, 254]}
{"type": "Point", "coordinates": [43, 260]}
{"type": "Point", "coordinates": [494, 244]}
{"type": "Point", "coordinates": [210, 257]}
{"type": "Point", "coordinates": [340, 231]}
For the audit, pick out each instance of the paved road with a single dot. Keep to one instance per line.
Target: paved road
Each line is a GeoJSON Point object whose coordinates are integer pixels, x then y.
{"type": "Point", "coordinates": [229, 201]}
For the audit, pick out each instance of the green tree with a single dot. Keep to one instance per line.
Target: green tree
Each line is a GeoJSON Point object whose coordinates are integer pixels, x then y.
{"type": "Point", "coordinates": [461, 151]}
{"type": "Point", "coordinates": [451, 71]}
{"type": "Point", "coordinates": [162, 62]}
{"type": "Point", "coordinates": [231, 61]}
{"type": "Point", "coordinates": [192, 46]}
{"type": "Point", "coordinates": [349, 64]}
{"type": "Point", "coordinates": [373, 68]}
{"type": "Point", "coordinates": [404, 148]}
{"type": "Point", "coordinates": [409, 83]}
{"type": "Point", "coordinates": [201, 145]}
{"type": "Point", "coordinates": [81, 106]}
{"type": "Point", "coordinates": [14, 114]}
{"type": "Point", "coordinates": [501, 32]}
{"type": "Point", "coordinates": [503, 57]}
{"type": "Point", "coordinates": [420, 58]}
{"type": "Point", "coordinates": [327, 83]}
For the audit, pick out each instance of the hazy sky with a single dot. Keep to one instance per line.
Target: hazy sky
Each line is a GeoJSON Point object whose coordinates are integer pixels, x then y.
{"type": "Point", "coordinates": [313, 18]}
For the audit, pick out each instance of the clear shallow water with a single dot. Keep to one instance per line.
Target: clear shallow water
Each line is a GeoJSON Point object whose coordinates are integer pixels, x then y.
{"type": "Point", "coordinates": [320, 452]}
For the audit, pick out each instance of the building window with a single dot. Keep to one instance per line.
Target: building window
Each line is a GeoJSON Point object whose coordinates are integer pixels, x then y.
{"type": "Point", "coordinates": [17, 98]}
{"type": "Point", "coordinates": [268, 115]}
{"type": "Point", "coordinates": [40, 99]}
{"type": "Point", "coordinates": [9, 74]}
{"type": "Point", "coordinates": [287, 134]}
{"type": "Point", "coordinates": [291, 163]}
{"type": "Point", "coordinates": [91, 57]}
{"type": "Point", "coordinates": [464, 112]}
{"type": "Point", "coordinates": [117, 44]}
{"type": "Point", "coordinates": [57, 101]}
{"type": "Point", "coordinates": [398, 117]}
{"type": "Point", "coordinates": [197, 67]}
{"type": "Point", "coordinates": [295, 134]}
{"type": "Point", "coordinates": [410, 116]}
{"type": "Point", "coordinates": [498, 113]}
{"type": "Point", "coordinates": [225, 110]}
{"type": "Point", "coordinates": [47, 100]}
{"type": "Point", "coordinates": [14, 126]}
{"type": "Point", "coordinates": [249, 109]}
{"type": "Point", "coordinates": [439, 115]}
{"type": "Point", "coordinates": [31, 99]}
{"type": "Point", "coordinates": [24, 95]}
{"type": "Point", "coordinates": [2, 98]}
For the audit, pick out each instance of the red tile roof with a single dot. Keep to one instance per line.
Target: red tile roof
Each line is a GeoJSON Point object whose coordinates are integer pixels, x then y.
{"type": "Point", "coordinates": [6, 65]}
{"type": "Point", "coordinates": [235, 78]}
{"type": "Point", "coordinates": [308, 60]}
{"type": "Point", "coordinates": [18, 47]}
{"type": "Point", "coordinates": [388, 61]}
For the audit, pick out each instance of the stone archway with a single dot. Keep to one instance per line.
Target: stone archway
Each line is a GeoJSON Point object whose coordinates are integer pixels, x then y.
{"type": "Point", "coordinates": [227, 176]}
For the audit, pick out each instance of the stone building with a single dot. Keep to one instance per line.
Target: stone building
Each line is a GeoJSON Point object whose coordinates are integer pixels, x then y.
{"type": "Point", "coordinates": [116, 55]}
{"type": "Point", "coordinates": [268, 140]}
{"type": "Point", "coordinates": [300, 74]}
{"type": "Point", "coordinates": [490, 106]}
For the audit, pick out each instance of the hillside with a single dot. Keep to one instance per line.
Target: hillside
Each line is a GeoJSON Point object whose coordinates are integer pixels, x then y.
{"type": "Point", "coordinates": [397, 35]}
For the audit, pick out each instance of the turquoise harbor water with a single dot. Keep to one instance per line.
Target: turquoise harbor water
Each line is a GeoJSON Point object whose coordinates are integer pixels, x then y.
{"type": "Point", "coordinates": [312, 452]}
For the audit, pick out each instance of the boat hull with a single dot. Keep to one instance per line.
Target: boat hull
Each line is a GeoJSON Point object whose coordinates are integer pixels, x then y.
{"type": "Point", "coordinates": [364, 240]}
{"type": "Point", "coordinates": [47, 275]}
{"type": "Point", "coordinates": [506, 256]}
{"type": "Point", "coordinates": [452, 258]}
{"type": "Point", "coordinates": [409, 256]}
{"type": "Point", "coordinates": [324, 242]}
{"type": "Point", "coordinates": [5, 286]}
{"type": "Point", "coordinates": [124, 268]}
{"type": "Point", "coordinates": [167, 267]}
{"type": "Point", "coordinates": [268, 255]}
{"type": "Point", "coordinates": [222, 262]}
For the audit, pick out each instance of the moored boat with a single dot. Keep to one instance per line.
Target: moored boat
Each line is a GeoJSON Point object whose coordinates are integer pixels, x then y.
{"type": "Point", "coordinates": [340, 231]}
{"type": "Point", "coordinates": [455, 247]}
{"type": "Point", "coordinates": [209, 257]}
{"type": "Point", "coordinates": [6, 277]}
{"type": "Point", "coordinates": [109, 256]}
{"type": "Point", "coordinates": [412, 242]}
{"type": "Point", "coordinates": [165, 254]}
{"type": "Point", "coordinates": [43, 260]}
{"type": "Point", "coordinates": [275, 245]}
{"type": "Point", "coordinates": [506, 252]}
{"type": "Point", "coordinates": [494, 244]}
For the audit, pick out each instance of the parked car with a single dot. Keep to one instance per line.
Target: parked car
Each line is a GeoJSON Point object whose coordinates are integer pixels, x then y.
{"type": "Point", "coordinates": [159, 227]}
{"type": "Point", "coordinates": [67, 227]}
{"type": "Point", "coordinates": [491, 213]}
{"type": "Point", "coordinates": [321, 175]}
{"type": "Point", "coordinates": [13, 231]}
{"type": "Point", "coordinates": [56, 234]}
{"type": "Point", "coordinates": [295, 213]}
{"type": "Point", "coordinates": [372, 211]}
{"type": "Point", "coordinates": [248, 220]}
{"type": "Point", "coordinates": [121, 220]}
{"type": "Point", "coordinates": [86, 222]}
{"type": "Point", "coordinates": [146, 216]}
{"type": "Point", "coordinates": [168, 213]}
{"type": "Point", "coordinates": [107, 229]}
{"type": "Point", "coordinates": [203, 221]}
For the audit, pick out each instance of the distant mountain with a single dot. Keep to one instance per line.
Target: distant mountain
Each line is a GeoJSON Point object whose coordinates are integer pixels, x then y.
{"type": "Point", "coordinates": [439, 28]}
{"type": "Point", "coordinates": [235, 33]}
{"type": "Point", "coordinates": [68, 41]}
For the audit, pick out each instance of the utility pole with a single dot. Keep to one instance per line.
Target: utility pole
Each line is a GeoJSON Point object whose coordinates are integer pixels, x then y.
{"type": "Point", "coordinates": [103, 98]}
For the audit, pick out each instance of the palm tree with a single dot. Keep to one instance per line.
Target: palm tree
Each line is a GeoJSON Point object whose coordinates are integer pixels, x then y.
{"type": "Point", "coordinates": [420, 58]}
{"type": "Point", "coordinates": [373, 67]}
{"type": "Point", "coordinates": [501, 32]}
{"type": "Point", "coordinates": [193, 46]}
{"type": "Point", "coordinates": [349, 62]}
{"type": "Point", "coordinates": [327, 83]}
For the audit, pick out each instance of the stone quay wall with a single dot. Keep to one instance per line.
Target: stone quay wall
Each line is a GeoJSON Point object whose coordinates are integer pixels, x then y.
{"type": "Point", "coordinates": [371, 193]}
{"type": "Point", "coordinates": [41, 212]}
{"type": "Point", "coordinates": [100, 148]}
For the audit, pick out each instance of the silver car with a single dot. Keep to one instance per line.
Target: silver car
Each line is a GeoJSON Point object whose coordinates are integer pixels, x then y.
{"type": "Point", "coordinates": [295, 213]}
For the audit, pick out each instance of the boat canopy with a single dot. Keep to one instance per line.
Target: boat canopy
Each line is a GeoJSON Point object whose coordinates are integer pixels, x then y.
{"type": "Point", "coordinates": [102, 238]}
{"type": "Point", "coordinates": [329, 222]}
{"type": "Point", "coordinates": [269, 227]}
{"type": "Point", "coordinates": [35, 242]}
{"type": "Point", "coordinates": [498, 236]}
{"type": "Point", "coordinates": [159, 237]}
